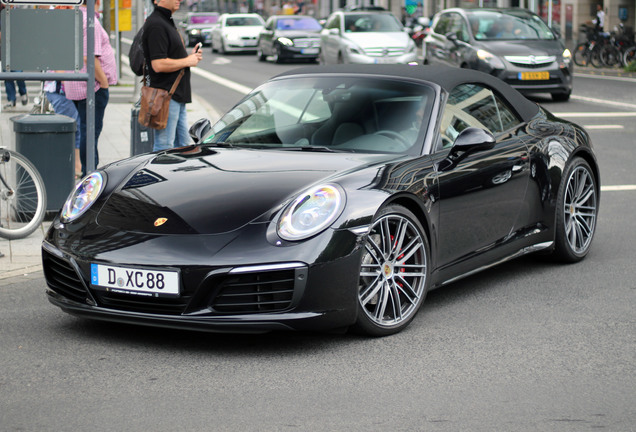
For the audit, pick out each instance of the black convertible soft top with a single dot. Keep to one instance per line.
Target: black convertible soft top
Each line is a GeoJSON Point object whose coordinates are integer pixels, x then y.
{"type": "Point", "coordinates": [446, 77]}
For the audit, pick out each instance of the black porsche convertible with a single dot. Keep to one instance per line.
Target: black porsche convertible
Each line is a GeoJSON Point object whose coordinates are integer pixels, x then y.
{"type": "Point", "coordinates": [328, 198]}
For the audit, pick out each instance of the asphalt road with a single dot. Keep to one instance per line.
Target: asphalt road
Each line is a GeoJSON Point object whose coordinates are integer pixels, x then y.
{"type": "Point", "coordinates": [526, 346]}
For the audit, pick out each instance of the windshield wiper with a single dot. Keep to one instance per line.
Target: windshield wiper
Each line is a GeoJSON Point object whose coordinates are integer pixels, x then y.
{"type": "Point", "coordinates": [312, 149]}
{"type": "Point", "coordinates": [219, 144]}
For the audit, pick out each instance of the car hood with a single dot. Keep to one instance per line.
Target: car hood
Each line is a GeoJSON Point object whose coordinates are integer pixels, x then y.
{"type": "Point", "coordinates": [380, 39]}
{"type": "Point", "coordinates": [242, 31]}
{"type": "Point", "coordinates": [523, 47]}
{"type": "Point", "coordinates": [204, 190]}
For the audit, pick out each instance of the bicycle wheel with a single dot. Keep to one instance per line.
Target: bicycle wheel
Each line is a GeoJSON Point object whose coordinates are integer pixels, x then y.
{"type": "Point", "coordinates": [581, 55]}
{"type": "Point", "coordinates": [22, 196]}
{"type": "Point", "coordinates": [610, 56]}
{"type": "Point", "coordinates": [595, 58]}
{"type": "Point", "coordinates": [629, 56]}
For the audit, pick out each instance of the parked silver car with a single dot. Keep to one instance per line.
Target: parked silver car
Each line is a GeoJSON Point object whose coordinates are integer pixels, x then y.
{"type": "Point", "coordinates": [365, 38]}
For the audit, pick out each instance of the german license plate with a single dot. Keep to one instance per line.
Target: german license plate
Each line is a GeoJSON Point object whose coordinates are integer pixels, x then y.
{"type": "Point", "coordinates": [532, 76]}
{"type": "Point", "coordinates": [309, 51]}
{"type": "Point", "coordinates": [144, 282]}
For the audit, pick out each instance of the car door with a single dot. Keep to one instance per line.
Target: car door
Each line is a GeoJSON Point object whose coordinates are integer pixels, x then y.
{"type": "Point", "coordinates": [447, 41]}
{"type": "Point", "coordinates": [436, 43]}
{"type": "Point", "coordinates": [266, 36]}
{"type": "Point", "coordinates": [481, 193]}
{"type": "Point", "coordinates": [330, 39]}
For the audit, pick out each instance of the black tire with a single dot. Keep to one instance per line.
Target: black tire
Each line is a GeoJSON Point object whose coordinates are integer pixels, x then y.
{"type": "Point", "coordinates": [595, 58]}
{"type": "Point", "coordinates": [394, 273]}
{"type": "Point", "coordinates": [576, 212]}
{"type": "Point", "coordinates": [581, 55]}
{"type": "Point", "coordinates": [610, 56]}
{"type": "Point", "coordinates": [22, 196]}
{"type": "Point", "coordinates": [629, 56]}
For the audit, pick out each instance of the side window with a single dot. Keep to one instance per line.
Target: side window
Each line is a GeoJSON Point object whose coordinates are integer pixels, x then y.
{"type": "Point", "coordinates": [443, 24]}
{"type": "Point", "coordinates": [334, 22]}
{"type": "Point", "coordinates": [458, 26]}
{"type": "Point", "coordinates": [477, 106]}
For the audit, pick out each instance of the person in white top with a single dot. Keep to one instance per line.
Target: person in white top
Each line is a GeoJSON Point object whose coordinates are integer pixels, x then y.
{"type": "Point", "coordinates": [599, 21]}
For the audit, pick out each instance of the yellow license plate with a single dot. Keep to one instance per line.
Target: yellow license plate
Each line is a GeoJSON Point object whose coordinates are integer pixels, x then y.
{"type": "Point", "coordinates": [534, 76]}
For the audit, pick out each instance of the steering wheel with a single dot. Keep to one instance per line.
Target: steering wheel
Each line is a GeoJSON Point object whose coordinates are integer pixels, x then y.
{"type": "Point", "coordinates": [394, 135]}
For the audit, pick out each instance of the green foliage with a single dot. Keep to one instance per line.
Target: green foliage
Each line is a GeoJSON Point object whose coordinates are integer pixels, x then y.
{"type": "Point", "coordinates": [631, 67]}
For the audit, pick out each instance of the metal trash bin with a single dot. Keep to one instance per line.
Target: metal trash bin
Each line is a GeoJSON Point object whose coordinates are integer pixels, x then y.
{"type": "Point", "coordinates": [48, 141]}
{"type": "Point", "coordinates": [142, 139]}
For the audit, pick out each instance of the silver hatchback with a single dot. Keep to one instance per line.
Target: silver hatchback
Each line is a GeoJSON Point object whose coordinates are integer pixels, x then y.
{"type": "Point", "coordinates": [365, 38]}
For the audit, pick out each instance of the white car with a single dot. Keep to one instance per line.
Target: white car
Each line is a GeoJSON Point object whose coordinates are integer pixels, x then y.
{"type": "Point", "coordinates": [237, 32]}
{"type": "Point", "coordinates": [365, 38]}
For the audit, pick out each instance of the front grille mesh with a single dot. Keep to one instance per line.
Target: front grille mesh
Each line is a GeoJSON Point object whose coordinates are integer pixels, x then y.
{"type": "Point", "coordinates": [255, 292]}
{"type": "Point", "coordinates": [384, 52]}
{"type": "Point", "coordinates": [62, 278]}
{"type": "Point", "coordinates": [143, 304]}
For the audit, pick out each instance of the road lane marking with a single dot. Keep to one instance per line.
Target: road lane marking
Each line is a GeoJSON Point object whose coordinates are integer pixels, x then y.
{"type": "Point", "coordinates": [221, 81]}
{"type": "Point", "coordinates": [603, 101]}
{"type": "Point", "coordinates": [595, 114]}
{"type": "Point", "coordinates": [604, 126]}
{"type": "Point", "coordinates": [605, 77]}
{"type": "Point", "coordinates": [618, 188]}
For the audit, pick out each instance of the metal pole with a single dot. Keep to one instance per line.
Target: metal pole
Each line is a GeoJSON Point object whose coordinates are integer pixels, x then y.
{"type": "Point", "coordinates": [117, 45]}
{"type": "Point", "coordinates": [90, 86]}
{"type": "Point", "coordinates": [139, 23]}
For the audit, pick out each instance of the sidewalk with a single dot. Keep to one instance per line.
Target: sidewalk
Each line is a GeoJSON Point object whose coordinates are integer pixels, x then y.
{"type": "Point", "coordinates": [22, 257]}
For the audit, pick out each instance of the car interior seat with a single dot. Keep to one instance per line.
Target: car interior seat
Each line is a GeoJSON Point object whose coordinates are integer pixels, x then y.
{"type": "Point", "coordinates": [343, 126]}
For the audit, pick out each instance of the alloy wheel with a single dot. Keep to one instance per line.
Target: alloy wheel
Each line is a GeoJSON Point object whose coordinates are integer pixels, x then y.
{"type": "Point", "coordinates": [394, 273]}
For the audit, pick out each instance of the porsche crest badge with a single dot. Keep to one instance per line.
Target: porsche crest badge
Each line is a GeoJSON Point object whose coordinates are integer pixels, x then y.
{"type": "Point", "coordinates": [160, 221]}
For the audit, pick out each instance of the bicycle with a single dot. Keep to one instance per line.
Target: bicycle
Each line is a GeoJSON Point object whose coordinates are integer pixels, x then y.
{"type": "Point", "coordinates": [41, 104]}
{"type": "Point", "coordinates": [613, 54]}
{"type": "Point", "coordinates": [22, 196]}
{"type": "Point", "coordinates": [629, 56]}
{"type": "Point", "coordinates": [587, 52]}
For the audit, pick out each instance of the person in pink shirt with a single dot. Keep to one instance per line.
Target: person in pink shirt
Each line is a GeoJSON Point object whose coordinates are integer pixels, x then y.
{"type": "Point", "coordinates": [105, 76]}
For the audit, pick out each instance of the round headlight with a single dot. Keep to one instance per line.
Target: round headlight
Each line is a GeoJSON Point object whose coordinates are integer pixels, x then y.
{"type": "Point", "coordinates": [82, 197]}
{"type": "Point", "coordinates": [311, 212]}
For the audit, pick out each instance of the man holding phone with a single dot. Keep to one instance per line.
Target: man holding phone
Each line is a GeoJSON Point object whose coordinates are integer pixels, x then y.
{"type": "Point", "coordinates": [166, 55]}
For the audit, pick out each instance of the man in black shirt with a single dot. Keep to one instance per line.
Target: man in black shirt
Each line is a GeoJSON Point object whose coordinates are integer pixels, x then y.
{"type": "Point", "coordinates": [166, 56]}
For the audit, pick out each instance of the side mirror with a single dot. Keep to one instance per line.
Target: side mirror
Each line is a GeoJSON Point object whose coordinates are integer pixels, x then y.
{"type": "Point", "coordinates": [451, 37]}
{"type": "Point", "coordinates": [470, 140]}
{"type": "Point", "coordinates": [334, 31]}
{"type": "Point", "coordinates": [473, 139]}
{"type": "Point", "coordinates": [199, 129]}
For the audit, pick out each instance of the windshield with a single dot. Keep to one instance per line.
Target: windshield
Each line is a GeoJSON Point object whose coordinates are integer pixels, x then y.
{"type": "Point", "coordinates": [298, 24]}
{"type": "Point", "coordinates": [330, 114]}
{"type": "Point", "coordinates": [381, 22]}
{"type": "Point", "coordinates": [243, 21]}
{"type": "Point", "coordinates": [488, 25]}
{"type": "Point", "coordinates": [204, 19]}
